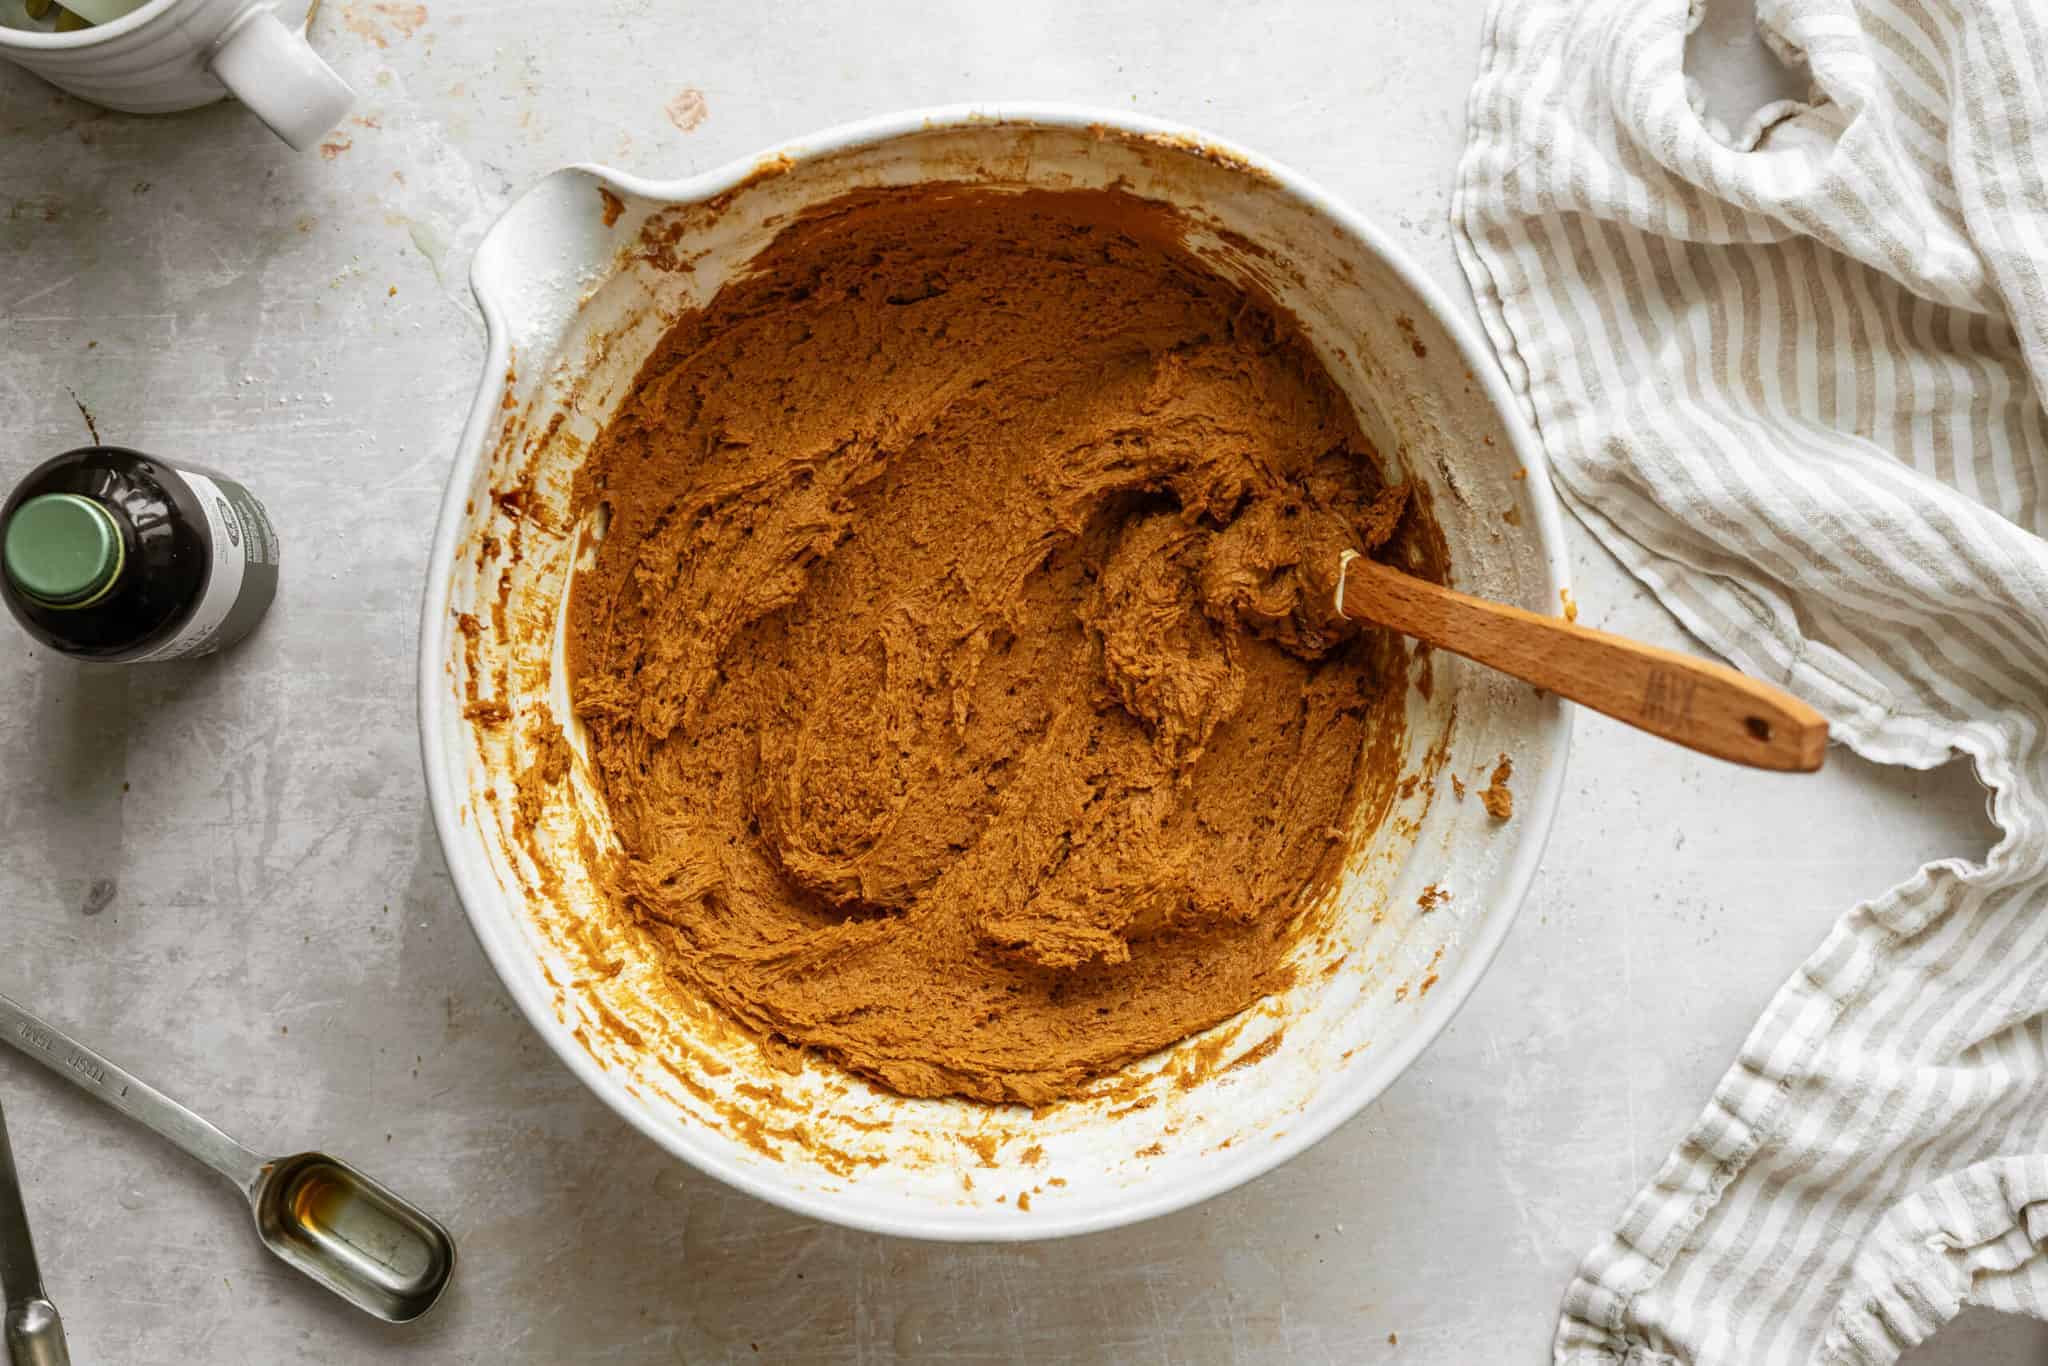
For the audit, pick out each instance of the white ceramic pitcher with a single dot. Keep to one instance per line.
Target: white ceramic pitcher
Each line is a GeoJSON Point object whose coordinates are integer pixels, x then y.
{"type": "Point", "coordinates": [179, 54]}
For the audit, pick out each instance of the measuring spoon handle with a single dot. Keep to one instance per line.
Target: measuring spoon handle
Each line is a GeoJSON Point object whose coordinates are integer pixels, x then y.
{"type": "Point", "coordinates": [35, 1335]}
{"type": "Point", "coordinates": [108, 1081]}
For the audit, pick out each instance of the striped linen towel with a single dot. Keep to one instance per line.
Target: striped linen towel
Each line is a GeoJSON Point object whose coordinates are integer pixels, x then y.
{"type": "Point", "coordinates": [1794, 380]}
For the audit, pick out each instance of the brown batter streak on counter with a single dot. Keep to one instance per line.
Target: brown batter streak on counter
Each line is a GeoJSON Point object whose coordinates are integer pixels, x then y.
{"type": "Point", "coordinates": [688, 109]}
{"type": "Point", "coordinates": [92, 428]}
{"type": "Point", "coordinates": [960, 664]}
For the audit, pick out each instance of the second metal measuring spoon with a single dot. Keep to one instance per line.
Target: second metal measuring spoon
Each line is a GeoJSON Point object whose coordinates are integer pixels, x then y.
{"type": "Point", "coordinates": [32, 1330]}
{"type": "Point", "coordinates": [320, 1215]}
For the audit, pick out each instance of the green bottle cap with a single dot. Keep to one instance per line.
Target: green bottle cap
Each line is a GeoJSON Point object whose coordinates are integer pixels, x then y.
{"type": "Point", "coordinates": [63, 550]}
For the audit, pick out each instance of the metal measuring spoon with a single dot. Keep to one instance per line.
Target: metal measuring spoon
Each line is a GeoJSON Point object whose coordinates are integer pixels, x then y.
{"type": "Point", "coordinates": [320, 1215]}
{"type": "Point", "coordinates": [33, 1332]}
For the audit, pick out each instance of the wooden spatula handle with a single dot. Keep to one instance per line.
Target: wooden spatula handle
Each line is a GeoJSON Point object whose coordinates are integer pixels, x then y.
{"type": "Point", "coordinates": [1702, 705]}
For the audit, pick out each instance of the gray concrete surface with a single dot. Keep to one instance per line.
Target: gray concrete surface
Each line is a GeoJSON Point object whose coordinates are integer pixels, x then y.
{"type": "Point", "coordinates": [282, 946]}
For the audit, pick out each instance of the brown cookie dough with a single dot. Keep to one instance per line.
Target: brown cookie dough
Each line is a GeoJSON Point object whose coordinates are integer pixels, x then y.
{"type": "Point", "coordinates": [958, 659]}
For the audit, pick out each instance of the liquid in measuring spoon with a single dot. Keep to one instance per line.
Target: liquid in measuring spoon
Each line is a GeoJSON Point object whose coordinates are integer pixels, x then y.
{"type": "Point", "coordinates": [331, 1220]}
{"type": "Point", "coordinates": [320, 1216]}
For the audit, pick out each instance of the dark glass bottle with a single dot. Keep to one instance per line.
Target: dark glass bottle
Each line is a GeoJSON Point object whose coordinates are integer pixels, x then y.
{"type": "Point", "coordinates": [115, 556]}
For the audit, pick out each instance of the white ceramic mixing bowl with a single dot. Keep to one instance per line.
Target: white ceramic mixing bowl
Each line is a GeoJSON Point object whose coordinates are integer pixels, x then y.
{"type": "Point", "coordinates": [577, 282]}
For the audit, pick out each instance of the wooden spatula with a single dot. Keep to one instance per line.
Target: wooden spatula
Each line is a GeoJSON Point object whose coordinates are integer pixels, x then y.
{"type": "Point", "coordinates": [1704, 706]}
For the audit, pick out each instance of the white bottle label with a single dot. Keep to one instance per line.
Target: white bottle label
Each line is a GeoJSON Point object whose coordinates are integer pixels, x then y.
{"type": "Point", "coordinates": [228, 533]}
